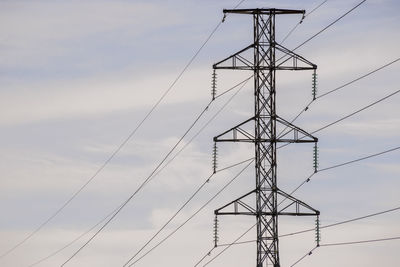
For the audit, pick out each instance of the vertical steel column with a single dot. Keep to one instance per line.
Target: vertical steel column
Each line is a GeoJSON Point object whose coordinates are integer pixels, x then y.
{"type": "Point", "coordinates": [265, 129]}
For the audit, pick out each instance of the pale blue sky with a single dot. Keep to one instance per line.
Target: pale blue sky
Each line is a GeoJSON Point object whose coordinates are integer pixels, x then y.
{"type": "Point", "coordinates": [77, 76]}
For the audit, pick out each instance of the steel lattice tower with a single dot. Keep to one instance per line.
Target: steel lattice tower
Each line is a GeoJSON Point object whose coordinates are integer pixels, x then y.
{"type": "Point", "coordinates": [260, 58]}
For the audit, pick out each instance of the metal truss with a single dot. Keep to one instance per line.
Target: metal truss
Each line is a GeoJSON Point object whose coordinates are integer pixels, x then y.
{"type": "Point", "coordinates": [260, 58]}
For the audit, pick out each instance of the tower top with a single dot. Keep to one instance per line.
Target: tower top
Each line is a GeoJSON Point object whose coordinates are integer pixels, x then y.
{"type": "Point", "coordinates": [264, 11]}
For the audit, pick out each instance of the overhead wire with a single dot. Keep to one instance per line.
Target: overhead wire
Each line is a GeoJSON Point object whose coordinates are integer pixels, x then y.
{"type": "Point", "coordinates": [321, 227]}
{"type": "Point", "coordinates": [158, 167]}
{"type": "Point", "coordinates": [241, 86]}
{"type": "Point", "coordinates": [336, 89]}
{"type": "Point", "coordinates": [309, 253]}
{"type": "Point", "coordinates": [359, 78]}
{"type": "Point", "coordinates": [301, 21]}
{"type": "Point", "coordinates": [324, 226]}
{"type": "Point", "coordinates": [322, 30]}
{"type": "Point", "coordinates": [192, 216]}
{"type": "Point", "coordinates": [320, 129]}
{"type": "Point", "coordinates": [305, 255]}
{"type": "Point", "coordinates": [227, 247]}
{"type": "Point", "coordinates": [106, 217]}
{"type": "Point", "coordinates": [300, 45]}
{"type": "Point", "coordinates": [72, 241]}
{"type": "Point", "coordinates": [344, 222]}
{"type": "Point", "coordinates": [321, 245]}
{"type": "Point", "coordinates": [205, 256]}
{"type": "Point", "coordinates": [206, 180]}
{"type": "Point", "coordinates": [144, 182]}
{"type": "Point", "coordinates": [360, 241]}
{"type": "Point", "coordinates": [329, 25]}
{"type": "Point", "coordinates": [329, 225]}
{"type": "Point", "coordinates": [306, 41]}
{"type": "Point", "coordinates": [347, 116]}
{"type": "Point", "coordinates": [340, 165]}
{"type": "Point", "coordinates": [149, 177]}
{"type": "Point", "coordinates": [118, 149]}
{"type": "Point", "coordinates": [363, 158]}
{"type": "Point", "coordinates": [357, 111]}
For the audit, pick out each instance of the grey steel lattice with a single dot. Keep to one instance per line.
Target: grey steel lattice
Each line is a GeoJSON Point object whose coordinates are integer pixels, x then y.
{"type": "Point", "coordinates": [262, 61]}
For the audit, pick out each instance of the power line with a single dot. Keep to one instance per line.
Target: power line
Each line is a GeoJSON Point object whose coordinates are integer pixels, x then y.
{"type": "Point", "coordinates": [344, 222]}
{"type": "Point", "coordinates": [241, 84]}
{"type": "Point", "coordinates": [326, 226]}
{"type": "Point", "coordinates": [227, 247]}
{"type": "Point", "coordinates": [296, 48]}
{"type": "Point", "coordinates": [347, 116]}
{"type": "Point", "coordinates": [233, 87]}
{"type": "Point", "coordinates": [72, 242]}
{"type": "Point", "coordinates": [116, 151]}
{"type": "Point", "coordinates": [193, 215]}
{"type": "Point", "coordinates": [363, 158]}
{"type": "Point", "coordinates": [321, 227]}
{"type": "Point", "coordinates": [302, 258]}
{"type": "Point", "coordinates": [207, 180]}
{"type": "Point", "coordinates": [336, 89]}
{"type": "Point", "coordinates": [205, 256]}
{"type": "Point", "coordinates": [168, 154]}
{"type": "Point", "coordinates": [329, 25]}
{"type": "Point", "coordinates": [348, 162]}
{"type": "Point", "coordinates": [340, 165]}
{"type": "Point", "coordinates": [359, 78]}
{"type": "Point", "coordinates": [321, 245]}
{"type": "Point", "coordinates": [106, 217]}
{"type": "Point", "coordinates": [357, 111]}
{"type": "Point", "coordinates": [360, 241]}
{"type": "Point", "coordinates": [296, 118]}
{"type": "Point", "coordinates": [141, 185]}
{"type": "Point", "coordinates": [306, 41]}
{"type": "Point", "coordinates": [321, 31]}
{"type": "Point", "coordinates": [301, 21]}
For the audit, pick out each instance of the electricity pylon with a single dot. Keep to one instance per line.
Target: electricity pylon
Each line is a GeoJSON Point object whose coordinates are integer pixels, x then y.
{"type": "Point", "coordinates": [260, 58]}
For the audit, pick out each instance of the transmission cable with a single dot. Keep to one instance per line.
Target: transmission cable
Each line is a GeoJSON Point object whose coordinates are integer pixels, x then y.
{"type": "Point", "coordinates": [301, 21]}
{"type": "Point", "coordinates": [118, 149]}
{"type": "Point", "coordinates": [206, 181]}
{"type": "Point", "coordinates": [347, 116]}
{"type": "Point", "coordinates": [142, 184]}
{"type": "Point", "coordinates": [359, 78]}
{"type": "Point", "coordinates": [352, 161]}
{"type": "Point", "coordinates": [344, 222]}
{"type": "Point", "coordinates": [241, 84]}
{"type": "Point", "coordinates": [302, 258]}
{"type": "Point", "coordinates": [321, 227]}
{"type": "Point", "coordinates": [336, 89]}
{"type": "Point", "coordinates": [340, 165]}
{"type": "Point", "coordinates": [357, 111]}
{"type": "Point", "coordinates": [321, 31]}
{"type": "Point", "coordinates": [110, 214]}
{"type": "Point", "coordinates": [306, 41]}
{"type": "Point", "coordinates": [227, 247]}
{"type": "Point", "coordinates": [174, 147]}
{"type": "Point", "coordinates": [163, 160]}
{"type": "Point", "coordinates": [360, 241]}
{"type": "Point", "coordinates": [192, 216]}
{"type": "Point", "coordinates": [326, 226]}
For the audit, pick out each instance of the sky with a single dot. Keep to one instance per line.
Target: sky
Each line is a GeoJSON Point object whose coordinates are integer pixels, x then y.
{"type": "Point", "coordinates": [77, 77]}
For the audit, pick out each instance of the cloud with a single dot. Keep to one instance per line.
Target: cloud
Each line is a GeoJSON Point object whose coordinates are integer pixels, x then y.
{"type": "Point", "coordinates": [78, 76]}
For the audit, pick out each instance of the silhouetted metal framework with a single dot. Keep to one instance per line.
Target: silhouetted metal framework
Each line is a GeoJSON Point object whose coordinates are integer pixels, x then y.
{"type": "Point", "coordinates": [260, 57]}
